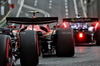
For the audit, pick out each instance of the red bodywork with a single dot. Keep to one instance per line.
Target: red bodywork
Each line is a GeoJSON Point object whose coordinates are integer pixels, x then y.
{"type": "Point", "coordinates": [37, 28]}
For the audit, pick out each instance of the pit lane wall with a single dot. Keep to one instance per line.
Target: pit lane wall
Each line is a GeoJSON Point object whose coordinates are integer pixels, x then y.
{"type": "Point", "coordinates": [93, 8]}
{"type": "Point", "coordinates": [4, 11]}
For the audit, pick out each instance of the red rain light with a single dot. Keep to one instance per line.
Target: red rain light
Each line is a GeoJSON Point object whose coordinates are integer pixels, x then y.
{"type": "Point", "coordinates": [80, 35]}
{"type": "Point", "coordinates": [64, 24]}
{"type": "Point", "coordinates": [96, 25]}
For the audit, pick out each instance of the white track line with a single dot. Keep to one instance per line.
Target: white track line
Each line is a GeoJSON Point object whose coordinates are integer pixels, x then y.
{"type": "Point", "coordinates": [66, 8]}
{"type": "Point", "coordinates": [65, 1]}
{"type": "Point", "coordinates": [46, 14]}
{"type": "Point", "coordinates": [75, 7]}
{"type": "Point", "coordinates": [50, 7]}
{"type": "Point", "coordinates": [39, 10]}
{"type": "Point", "coordinates": [20, 8]}
{"type": "Point", "coordinates": [50, 4]}
{"type": "Point", "coordinates": [83, 8]}
{"type": "Point", "coordinates": [27, 15]}
{"type": "Point", "coordinates": [66, 14]}
{"type": "Point", "coordinates": [35, 3]}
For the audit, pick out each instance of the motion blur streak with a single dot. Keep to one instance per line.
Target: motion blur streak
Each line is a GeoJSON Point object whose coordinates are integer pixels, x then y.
{"type": "Point", "coordinates": [65, 26]}
{"type": "Point", "coordinates": [96, 25]}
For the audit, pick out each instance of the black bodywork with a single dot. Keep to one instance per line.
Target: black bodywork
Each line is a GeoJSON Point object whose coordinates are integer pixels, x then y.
{"type": "Point", "coordinates": [88, 37]}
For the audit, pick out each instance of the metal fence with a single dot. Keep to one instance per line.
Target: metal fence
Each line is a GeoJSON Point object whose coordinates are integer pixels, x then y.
{"type": "Point", "coordinates": [4, 8]}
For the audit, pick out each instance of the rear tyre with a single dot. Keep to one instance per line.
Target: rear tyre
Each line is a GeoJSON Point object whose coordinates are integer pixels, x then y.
{"type": "Point", "coordinates": [97, 36]}
{"type": "Point", "coordinates": [29, 48]}
{"type": "Point", "coordinates": [5, 51]}
{"type": "Point", "coordinates": [65, 42]}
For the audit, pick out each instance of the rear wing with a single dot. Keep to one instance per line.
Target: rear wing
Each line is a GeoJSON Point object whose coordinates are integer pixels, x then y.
{"type": "Point", "coordinates": [30, 21]}
{"type": "Point", "coordinates": [80, 20]}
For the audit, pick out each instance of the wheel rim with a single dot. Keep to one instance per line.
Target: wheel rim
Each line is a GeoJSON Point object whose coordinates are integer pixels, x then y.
{"type": "Point", "coordinates": [10, 57]}
{"type": "Point", "coordinates": [9, 54]}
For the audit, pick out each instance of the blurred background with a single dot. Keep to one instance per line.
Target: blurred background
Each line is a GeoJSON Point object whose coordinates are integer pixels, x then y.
{"type": "Point", "coordinates": [47, 8]}
{"type": "Point", "coordinates": [85, 56]}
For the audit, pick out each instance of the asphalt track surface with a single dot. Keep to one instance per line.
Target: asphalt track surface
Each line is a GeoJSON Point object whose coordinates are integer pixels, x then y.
{"type": "Point", "coordinates": [84, 55]}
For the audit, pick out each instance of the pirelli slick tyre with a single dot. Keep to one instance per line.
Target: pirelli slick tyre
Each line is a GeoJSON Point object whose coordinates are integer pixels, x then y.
{"type": "Point", "coordinates": [65, 42]}
{"type": "Point", "coordinates": [97, 36]}
{"type": "Point", "coordinates": [5, 51]}
{"type": "Point", "coordinates": [29, 48]}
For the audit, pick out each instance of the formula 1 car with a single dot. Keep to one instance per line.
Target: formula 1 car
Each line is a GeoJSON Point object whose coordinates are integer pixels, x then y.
{"type": "Point", "coordinates": [86, 30]}
{"type": "Point", "coordinates": [26, 42]}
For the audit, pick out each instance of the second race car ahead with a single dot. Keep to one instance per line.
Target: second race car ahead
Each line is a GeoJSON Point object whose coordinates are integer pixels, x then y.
{"type": "Point", "coordinates": [86, 30]}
